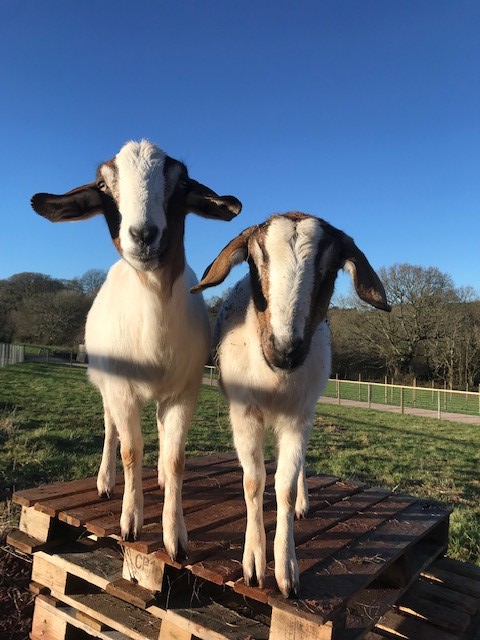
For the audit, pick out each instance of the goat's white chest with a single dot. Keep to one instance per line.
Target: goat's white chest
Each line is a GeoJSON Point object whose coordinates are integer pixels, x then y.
{"type": "Point", "coordinates": [140, 334]}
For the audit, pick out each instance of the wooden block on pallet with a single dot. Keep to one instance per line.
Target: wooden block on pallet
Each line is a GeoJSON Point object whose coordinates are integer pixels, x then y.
{"type": "Point", "coordinates": [144, 568]}
{"type": "Point", "coordinates": [48, 574]}
{"type": "Point", "coordinates": [170, 631]}
{"type": "Point", "coordinates": [35, 524]}
{"type": "Point", "coordinates": [46, 624]}
{"type": "Point", "coordinates": [285, 626]}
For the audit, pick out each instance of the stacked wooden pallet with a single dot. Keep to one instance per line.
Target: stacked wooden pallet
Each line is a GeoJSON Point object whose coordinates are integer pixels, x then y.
{"type": "Point", "coordinates": [361, 552]}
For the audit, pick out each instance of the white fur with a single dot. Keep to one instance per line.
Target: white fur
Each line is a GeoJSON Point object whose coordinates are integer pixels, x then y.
{"type": "Point", "coordinates": [291, 248]}
{"type": "Point", "coordinates": [141, 191]}
{"type": "Point", "coordinates": [146, 340]}
{"type": "Point", "coordinates": [145, 344]}
{"type": "Point", "coordinates": [260, 396]}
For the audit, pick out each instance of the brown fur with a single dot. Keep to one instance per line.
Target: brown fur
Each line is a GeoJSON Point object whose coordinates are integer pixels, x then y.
{"type": "Point", "coordinates": [129, 456]}
{"type": "Point", "coordinates": [253, 411]}
{"type": "Point", "coordinates": [251, 487]}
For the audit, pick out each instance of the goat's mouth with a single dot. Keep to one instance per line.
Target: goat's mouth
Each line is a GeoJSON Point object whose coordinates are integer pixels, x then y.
{"type": "Point", "coordinates": [147, 260]}
{"type": "Point", "coordinates": [282, 366]}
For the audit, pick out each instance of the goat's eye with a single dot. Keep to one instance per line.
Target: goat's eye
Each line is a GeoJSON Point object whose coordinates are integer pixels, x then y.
{"type": "Point", "coordinates": [101, 184]}
{"type": "Point", "coordinates": [182, 184]}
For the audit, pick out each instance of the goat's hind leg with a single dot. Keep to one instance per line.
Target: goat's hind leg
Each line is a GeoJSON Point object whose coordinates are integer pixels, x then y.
{"type": "Point", "coordinates": [249, 435]}
{"type": "Point", "coordinates": [302, 501]}
{"type": "Point", "coordinates": [107, 471]}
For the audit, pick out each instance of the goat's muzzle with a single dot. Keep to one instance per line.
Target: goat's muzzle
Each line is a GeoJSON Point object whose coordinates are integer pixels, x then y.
{"type": "Point", "coordinates": [148, 254]}
{"type": "Point", "coordinates": [285, 357]}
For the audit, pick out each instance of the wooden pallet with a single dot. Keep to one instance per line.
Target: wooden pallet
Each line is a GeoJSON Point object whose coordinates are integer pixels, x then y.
{"type": "Point", "coordinates": [359, 551]}
{"type": "Point", "coordinates": [430, 610]}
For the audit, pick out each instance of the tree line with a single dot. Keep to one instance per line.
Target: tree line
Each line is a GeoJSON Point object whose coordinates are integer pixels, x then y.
{"type": "Point", "coordinates": [432, 333]}
{"type": "Point", "coordinates": [38, 309]}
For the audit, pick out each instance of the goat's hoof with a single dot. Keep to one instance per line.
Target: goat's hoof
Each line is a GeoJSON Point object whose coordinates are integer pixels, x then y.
{"type": "Point", "coordinates": [288, 580]}
{"type": "Point", "coordinates": [301, 507]}
{"type": "Point", "coordinates": [289, 589]}
{"type": "Point", "coordinates": [105, 485]}
{"type": "Point", "coordinates": [254, 567]}
{"type": "Point", "coordinates": [176, 542]}
{"type": "Point", "coordinates": [131, 526]}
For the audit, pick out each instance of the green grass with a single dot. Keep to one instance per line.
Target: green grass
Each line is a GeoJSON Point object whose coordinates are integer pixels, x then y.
{"type": "Point", "coordinates": [51, 429]}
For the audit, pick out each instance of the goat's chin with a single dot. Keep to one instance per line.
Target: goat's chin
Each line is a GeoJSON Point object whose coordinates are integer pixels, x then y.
{"type": "Point", "coordinates": [142, 265]}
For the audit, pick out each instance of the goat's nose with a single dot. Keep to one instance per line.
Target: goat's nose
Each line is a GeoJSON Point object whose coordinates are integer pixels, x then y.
{"type": "Point", "coordinates": [144, 234]}
{"type": "Point", "coordinates": [295, 346]}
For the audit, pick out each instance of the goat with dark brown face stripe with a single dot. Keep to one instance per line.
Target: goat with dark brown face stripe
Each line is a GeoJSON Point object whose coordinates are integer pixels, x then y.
{"type": "Point", "coordinates": [147, 338]}
{"type": "Point", "coordinates": [273, 348]}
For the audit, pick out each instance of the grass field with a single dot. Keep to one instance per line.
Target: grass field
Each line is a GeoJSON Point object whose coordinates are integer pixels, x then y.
{"type": "Point", "coordinates": [51, 429]}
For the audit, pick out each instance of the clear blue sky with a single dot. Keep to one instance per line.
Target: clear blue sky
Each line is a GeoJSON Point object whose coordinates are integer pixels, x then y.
{"type": "Point", "coordinates": [365, 113]}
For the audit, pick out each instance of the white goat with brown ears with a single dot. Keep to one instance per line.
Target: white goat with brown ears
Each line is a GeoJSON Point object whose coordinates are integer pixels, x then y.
{"type": "Point", "coordinates": [147, 338]}
{"type": "Point", "coordinates": [273, 348]}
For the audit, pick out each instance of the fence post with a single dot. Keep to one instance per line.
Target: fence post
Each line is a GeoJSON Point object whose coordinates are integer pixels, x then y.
{"type": "Point", "coordinates": [360, 387]}
{"type": "Point", "coordinates": [386, 387]}
{"type": "Point", "coordinates": [369, 392]}
{"type": "Point", "coordinates": [439, 407]}
{"type": "Point", "coordinates": [402, 400]}
{"type": "Point", "coordinates": [415, 392]}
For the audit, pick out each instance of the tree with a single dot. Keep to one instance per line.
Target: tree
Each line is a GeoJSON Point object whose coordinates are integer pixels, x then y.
{"type": "Point", "coordinates": [52, 318]}
{"type": "Point", "coordinates": [419, 297]}
{"type": "Point", "coordinates": [91, 281]}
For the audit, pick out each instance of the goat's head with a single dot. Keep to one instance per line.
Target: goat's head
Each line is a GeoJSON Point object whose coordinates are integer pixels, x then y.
{"type": "Point", "coordinates": [143, 194]}
{"type": "Point", "coordinates": [294, 259]}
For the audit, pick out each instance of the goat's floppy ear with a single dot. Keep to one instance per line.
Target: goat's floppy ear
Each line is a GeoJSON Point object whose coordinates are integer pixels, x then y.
{"type": "Point", "coordinates": [366, 282]}
{"type": "Point", "coordinates": [234, 253]}
{"type": "Point", "coordinates": [206, 203]}
{"type": "Point", "coordinates": [79, 204]}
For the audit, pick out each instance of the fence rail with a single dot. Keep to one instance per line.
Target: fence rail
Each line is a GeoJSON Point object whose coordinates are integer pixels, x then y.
{"type": "Point", "coordinates": [377, 393]}
{"type": "Point", "coordinates": [11, 354]}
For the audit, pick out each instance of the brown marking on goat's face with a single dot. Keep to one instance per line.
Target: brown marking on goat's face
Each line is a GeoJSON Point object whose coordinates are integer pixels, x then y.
{"type": "Point", "coordinates": [259, 283]}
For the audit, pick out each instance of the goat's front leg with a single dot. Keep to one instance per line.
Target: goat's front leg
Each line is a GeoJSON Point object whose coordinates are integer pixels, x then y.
{"type": "Point", "coordinates": [127, 418]}
{"type": "Point", "coordinates": [292, 439]}
{"type": "Point", "coordinates": [176, 420]}
{"type": "Point", "coordinates": [249, 435]}
{"type": "Point", "coordinates": [107, 471]}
